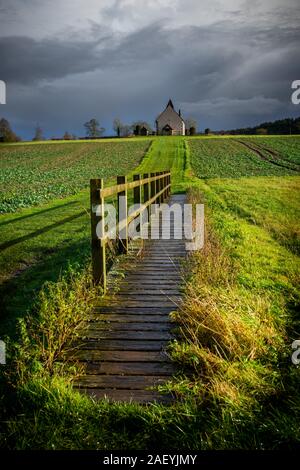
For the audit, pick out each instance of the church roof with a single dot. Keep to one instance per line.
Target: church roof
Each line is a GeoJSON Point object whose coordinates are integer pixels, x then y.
{"type": "Point", "coordinates": [170, 104]}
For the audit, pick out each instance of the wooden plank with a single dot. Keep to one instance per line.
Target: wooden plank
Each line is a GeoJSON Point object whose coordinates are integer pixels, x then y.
{"type": "Point", "coordinates": [150, 301]}
{"type": "Point", "coordinates": [161, 283]}
{"type": "Point", "coordinates": [118, 381]}
{"type": "Point", "coordinates": [125, 345]}
{"type": "Point", "coordinates": [129, 368]}
{"type": "Point", "coordinates": [132, 309]}
{"type": "Point", "coordinates": [128, 318]}
{"type": "Point", "coordinates": [159, 292]}
{"type": "Point", "coordinates": [131, 326]}
{"type": "Point", "coordinates": [119, 356]}
{"type": "Point", "coordinates": [94, 333]}
{"type": "Point", "coordinates": [136, 396]}
{"type": "Point", "coordinates": [141, 299]}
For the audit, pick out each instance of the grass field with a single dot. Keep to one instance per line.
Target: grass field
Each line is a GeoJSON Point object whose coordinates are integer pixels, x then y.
{"type": "Point", "coordinates": [238, 318]}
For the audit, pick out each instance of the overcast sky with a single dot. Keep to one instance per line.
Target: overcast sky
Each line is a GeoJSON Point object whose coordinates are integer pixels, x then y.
{"type": "Point", "coordinates": [226, 63]}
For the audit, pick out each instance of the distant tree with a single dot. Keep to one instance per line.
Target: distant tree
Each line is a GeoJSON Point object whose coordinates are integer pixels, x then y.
{"type": "Point", "coordinates": [189, 123]}
{"type": "Point", "coordinates": [207, 131]}
{"type": "Point", "coordinates": [6, 132]}
{"type": "Point", "coordinates": [38, 134]}
{"type": "Point", "coordinates": [261, 131]}
{"type": "Point", "coordinates": [126, 130]}
{"type": "Point", "coordinates": [138, 125]}
{"type": "Point", "coordinates": [93, 128]}
{"type": "Point", "coordinates": [137, 130]}
{"type": "Point", "coordinates": [297, 126]}
{"type": "Point", "coordinates": [192, 130]}
{"type": "Point", "coordinates": [67, 136]}
{"type": "Point", "coordinates": [117, 126]}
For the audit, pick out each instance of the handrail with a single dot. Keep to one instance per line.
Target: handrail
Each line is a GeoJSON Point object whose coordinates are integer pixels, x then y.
{"type": "Point", "coordinates": [156, 187]}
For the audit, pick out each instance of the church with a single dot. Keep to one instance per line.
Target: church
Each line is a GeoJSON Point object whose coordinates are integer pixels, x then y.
{"type": "Point", "coordinates": [169, 122]}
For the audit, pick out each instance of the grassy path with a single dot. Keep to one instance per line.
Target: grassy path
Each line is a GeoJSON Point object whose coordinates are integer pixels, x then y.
{"type": "Point", "coordinates": [167, 153]}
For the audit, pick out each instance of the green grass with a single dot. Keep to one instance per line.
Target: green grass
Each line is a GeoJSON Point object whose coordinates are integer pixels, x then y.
{"type": "Point", "coordinates": [237, 384]}
{"type": "Point", "coordinates": [168, 154]}
{"type": "Point", "coordinates": [239, 316]}
{"type": "Point", "coordinates": [227, 158]}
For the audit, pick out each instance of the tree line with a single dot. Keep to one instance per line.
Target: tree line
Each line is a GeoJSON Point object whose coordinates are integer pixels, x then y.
{"type": "Point", "coordinates": [280, 126]}
{"type": "Point", "coordinates": [93, 130]}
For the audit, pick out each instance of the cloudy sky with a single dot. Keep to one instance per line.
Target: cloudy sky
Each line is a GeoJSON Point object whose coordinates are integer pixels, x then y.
{"type": "Point", "coordinates": [226, 63]}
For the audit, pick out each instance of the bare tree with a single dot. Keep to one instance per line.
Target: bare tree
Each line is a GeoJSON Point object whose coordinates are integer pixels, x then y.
{"type": "Point", "coordinates": [38, 134]}
{"type": "Point", "coordinates": [117, 126]}
{"type": "Point", "coordinates": [67, 136]}
{"type": "Point", "coordinates": [93, 128]}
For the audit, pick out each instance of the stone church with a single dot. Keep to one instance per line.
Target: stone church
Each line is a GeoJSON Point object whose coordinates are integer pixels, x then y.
{"type": "Point", "coordinates": [169, 122]}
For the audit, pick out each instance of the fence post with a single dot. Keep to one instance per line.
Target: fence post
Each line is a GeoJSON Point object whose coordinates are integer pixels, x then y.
{"type": "Point", "coordinates": [98, 245]}
{"type": "Point", "coordinates": [137, 197]}
{"type": "Point", "coordinates": [147, 195]}
{"type": "Point", "coordinates": [152, 192]}
{"type": "Point", "coordinates": [161, 187]}
{"type": "Point", "coordinates": [137, 193]}
{"type": "Point", "coordinates": [122, 209]}
{"type": "Point", "coordinates": [157, 185]}
{"type": "Point", "coordinates": [164, 187]}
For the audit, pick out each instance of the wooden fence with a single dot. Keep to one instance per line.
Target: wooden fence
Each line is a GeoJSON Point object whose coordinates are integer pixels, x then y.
{"type": "Point", "coordinates": [149, 188]}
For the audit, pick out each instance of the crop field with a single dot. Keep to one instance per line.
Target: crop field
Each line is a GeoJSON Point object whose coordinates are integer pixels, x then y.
{"type": "Point", "coordinates": [285, 148]}
{"type": "Point", "coordinates": [33, 174]}
{"type": "Point", "coordinates": [238, 157]}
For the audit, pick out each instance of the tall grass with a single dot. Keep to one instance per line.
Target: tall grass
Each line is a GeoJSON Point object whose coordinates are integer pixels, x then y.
{"type": "Point", "coordinates": [235, 344]}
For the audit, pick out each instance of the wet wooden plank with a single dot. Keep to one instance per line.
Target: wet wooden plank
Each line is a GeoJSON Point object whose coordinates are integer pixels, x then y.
{"type": "Point", "coordinates": [139, 382]}
{"type": "Point", "coordinates": [118, 308]}
{"type": "Point", "coordinates": [137, 396]}
{"type": "Point", "coordinates": [125, 345]}
{"type": "Point", "coordinates": [130, 293]}
{"type": "Point", "coordinates": [119, 356]}
{"type": "Point", "coordinates": [127, 335]}
{"type": "Point", "coordinates": [129, 368]}
{"type": "Point", "coordinates": [130, 326]}
{"type": "Point", "coordinates": [128, 318]}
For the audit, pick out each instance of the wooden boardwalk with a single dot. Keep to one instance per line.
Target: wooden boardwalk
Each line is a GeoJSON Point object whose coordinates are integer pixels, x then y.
{"type": "Point", "coordinates": [127, 335]}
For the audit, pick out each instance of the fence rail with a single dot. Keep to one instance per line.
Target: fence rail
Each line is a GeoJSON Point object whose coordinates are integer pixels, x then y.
{"type": "Point", "coordinates": [149, 188]}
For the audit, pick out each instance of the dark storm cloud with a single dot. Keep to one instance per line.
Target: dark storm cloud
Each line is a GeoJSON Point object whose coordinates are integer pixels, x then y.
{"type": "Point", "coordinates": [226, 74]}
{"type": "Point", "coordinates": [26, 60]}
